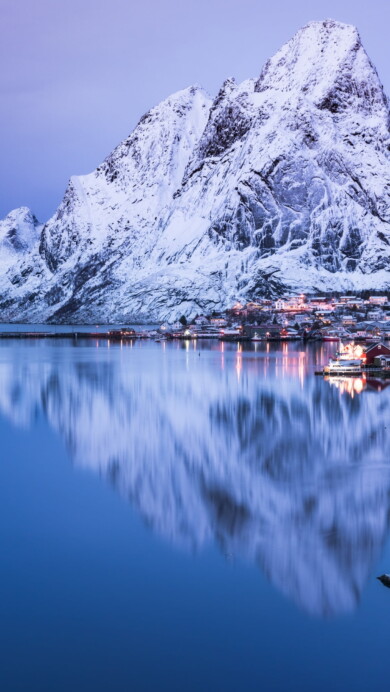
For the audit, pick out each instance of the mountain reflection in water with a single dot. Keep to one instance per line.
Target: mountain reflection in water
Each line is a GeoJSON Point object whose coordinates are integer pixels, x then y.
{"type": "Point", "coordinates": [245, 449]}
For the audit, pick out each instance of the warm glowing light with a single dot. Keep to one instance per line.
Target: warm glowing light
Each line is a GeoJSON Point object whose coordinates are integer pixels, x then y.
{"type": "Point", "coordinates": [348, 385]}
{"type": "Point", "coordinates": [238, 364]}
{"type": "Point", "coordinates": [352, 350]}
{"type": "Point", "coordinates": [358, 386]}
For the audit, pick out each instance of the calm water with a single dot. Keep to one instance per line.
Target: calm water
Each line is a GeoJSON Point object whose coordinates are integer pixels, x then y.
{"type": "Point", "coordinates": [180, 517]}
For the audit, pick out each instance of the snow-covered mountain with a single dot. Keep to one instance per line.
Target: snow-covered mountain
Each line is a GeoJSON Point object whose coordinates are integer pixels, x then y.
{"type": "Point", "coordinates": [280, 183]}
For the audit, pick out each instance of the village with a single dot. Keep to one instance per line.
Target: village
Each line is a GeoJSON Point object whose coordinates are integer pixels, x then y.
{"type": "Point", "coordinates": [359, 326]}
{"type": "Point", "coordinates": [284, 319]}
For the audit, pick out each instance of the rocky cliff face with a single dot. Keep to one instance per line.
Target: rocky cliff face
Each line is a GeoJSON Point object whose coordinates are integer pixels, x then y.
{"type": "Point", "coordinates": [280, 183]}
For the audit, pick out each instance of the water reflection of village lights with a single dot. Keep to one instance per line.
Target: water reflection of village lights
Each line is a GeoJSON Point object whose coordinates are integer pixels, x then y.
{"type": "Point", "coordinates": [348, 385]}
{"type": "Point", "coordinates": [222, 349]}
{"type": "Point", "coordinates": [239, 360]}
{"type": "Point", "coordinates": [301, 367]}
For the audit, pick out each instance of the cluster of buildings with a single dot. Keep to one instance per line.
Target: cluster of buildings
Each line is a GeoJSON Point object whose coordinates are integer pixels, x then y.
{"type": "Point", "coordinates": [292, 318]}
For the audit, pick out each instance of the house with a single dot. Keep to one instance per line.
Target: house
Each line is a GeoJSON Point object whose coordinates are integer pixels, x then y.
{"type": "Point", "coordinates": [355, 303]}
{"type": "Point", "coordinates": [301, 318]}
{"type": "Point", "coordinates": [238, 309]}
{"type": "Point", "coordinates": [264, 331]}
{"type": "Point", "coordinates": [324, 312]}
{"type": "Point", "coordinates": [201, 320]}
{"type": "Point", "coordinates": [218, 321]}
{"type": "Point", "coordinates": [346, 299]}
{"type": "Point", "coordinates": [375, 351]}
{"type": "Point", "coordinates": [382, 362]}
{"type": "Point", "coordinates": [374, 314]}
{"type": "Point", "coordinates": [378, 300]}
{"type": "Point", "coordinates": [318, 299]}
{"type": "Point", "coordinates": [348, 320]}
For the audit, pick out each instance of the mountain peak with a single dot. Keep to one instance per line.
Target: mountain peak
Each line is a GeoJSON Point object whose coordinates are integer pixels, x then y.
{"type": "Point", "coordinates": [319, 55]}
{"type": "Point", "coordinates": [331, 26]}
{"type": "Point", "coordinates": [19, 230]}
{"type": "Point", "coordinates": [20, 213]}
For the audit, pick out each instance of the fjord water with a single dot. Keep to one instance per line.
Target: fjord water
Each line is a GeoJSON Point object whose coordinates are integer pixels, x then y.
{"type": "Point", "coordinates": [190, 516]}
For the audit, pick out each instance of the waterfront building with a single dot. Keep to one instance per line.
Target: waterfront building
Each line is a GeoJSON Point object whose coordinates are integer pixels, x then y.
{"type": "Point", "coordinates": [375, 351]}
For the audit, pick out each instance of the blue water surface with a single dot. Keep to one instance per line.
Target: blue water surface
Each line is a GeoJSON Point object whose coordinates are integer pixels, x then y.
{"type": "Point", "coordinates": [190, 517]}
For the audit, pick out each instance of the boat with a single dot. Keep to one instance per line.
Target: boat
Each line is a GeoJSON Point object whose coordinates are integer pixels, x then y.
{"type": "Point", "coordinates": [350, 366]}
{"type": "Point", "coordinates": [230, 335]}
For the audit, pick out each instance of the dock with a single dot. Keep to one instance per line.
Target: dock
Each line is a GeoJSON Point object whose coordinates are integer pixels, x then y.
{"type": "Point", "coordinates": [358, 373]}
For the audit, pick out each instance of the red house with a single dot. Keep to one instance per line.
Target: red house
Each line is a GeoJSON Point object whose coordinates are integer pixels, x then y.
{"type": "Point", "coordinates": [374, 351]}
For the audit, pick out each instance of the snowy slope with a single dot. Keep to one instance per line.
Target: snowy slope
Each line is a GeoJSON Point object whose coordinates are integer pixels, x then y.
{"type": "Point", "coordinates": [19, 232]}
{"type": "Point", "coordinates": [281, 183]}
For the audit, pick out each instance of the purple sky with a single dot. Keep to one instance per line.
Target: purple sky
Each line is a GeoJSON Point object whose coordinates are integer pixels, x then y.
{"type": "Point", "coordinates": [76, 75]}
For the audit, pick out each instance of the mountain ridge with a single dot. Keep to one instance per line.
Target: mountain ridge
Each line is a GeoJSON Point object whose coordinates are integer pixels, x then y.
{"type": "Point", "coordinates": [281, 183]}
